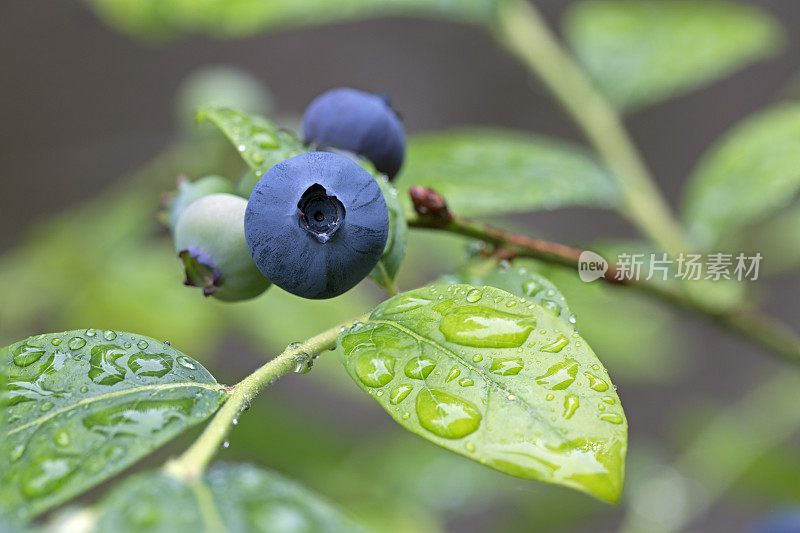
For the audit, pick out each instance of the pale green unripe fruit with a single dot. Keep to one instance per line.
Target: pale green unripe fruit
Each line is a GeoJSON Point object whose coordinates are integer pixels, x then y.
{"type": "Point", "coordinates": [209, 239]}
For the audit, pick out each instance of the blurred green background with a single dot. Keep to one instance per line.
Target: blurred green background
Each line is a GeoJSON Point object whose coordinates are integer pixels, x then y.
{"type": "Point", "coordinates": [96, 124]}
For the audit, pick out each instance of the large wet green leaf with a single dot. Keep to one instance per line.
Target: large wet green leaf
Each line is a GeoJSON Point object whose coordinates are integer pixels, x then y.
{"type": "Point", "coordinates": [235, 18]}
{"type": "Point", "coordinates": [640, 53]}
{"type": "Point", "coordinates": [493, 377]}
{"type": "Point", "coordinates": [395, 250]}
{"type": "Point", "coordinates": [750, 172]}
{"type": "Point", "coordinates": [80, 406]}
{"type": "Point", "coordinates": [260, 143]}
{"type": "Point", "coordinates": [232, 498]}
{"type": "Point", "coordinates": [484, 171]}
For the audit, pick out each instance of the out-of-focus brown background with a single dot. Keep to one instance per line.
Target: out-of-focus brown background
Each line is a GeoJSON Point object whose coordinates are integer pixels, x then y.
{"type": "Point", "coordinates": [80, 105]}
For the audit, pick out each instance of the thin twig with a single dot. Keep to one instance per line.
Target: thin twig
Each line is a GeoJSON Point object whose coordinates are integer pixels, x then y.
{"type": "Point", "coordinates": [191, 464]}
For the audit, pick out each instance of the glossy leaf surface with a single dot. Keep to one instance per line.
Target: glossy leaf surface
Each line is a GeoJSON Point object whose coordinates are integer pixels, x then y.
{"type": "Point", "coordinates": [640, 53]}
{"type": "Point", "coordinates": [235, 498]}
{"type": "Point", "coordinates": [493, 377]}
{"type": "Point", "coordinates": [259, 142]}
{"type": "Point", "coordinates": [483, 171]}
{"type": "Point", "coordinates": [80, 406]}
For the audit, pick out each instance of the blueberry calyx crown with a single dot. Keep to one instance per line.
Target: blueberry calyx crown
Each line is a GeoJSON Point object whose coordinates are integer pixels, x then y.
{"type": "Point", "coordinates": [320, 214]}
{"type": "Point", "coordinates": [201, 271]}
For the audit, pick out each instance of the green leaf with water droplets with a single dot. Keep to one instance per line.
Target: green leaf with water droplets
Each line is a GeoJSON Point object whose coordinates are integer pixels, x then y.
{"type": "Point", "coordinates": [394, 252]}
{"type": "Point", "coordinates": [751, 172]}
{"type": "Point", "coordinates": [483, 171]}
{"type": "Point", "coordinates": [238, 18]}
{"type": "Point", "coordinates": [80, 406]}
{"type": "Point", "coordinates": [234, 498]}
{"type": "Point", "coordinates": [496, 378]}
{"type": "Point", "coordinates": [520, 281]}
{"type": "Point", "coordinates": [260, 143]}
{"type": "Point", "coordinates": [640, 53]}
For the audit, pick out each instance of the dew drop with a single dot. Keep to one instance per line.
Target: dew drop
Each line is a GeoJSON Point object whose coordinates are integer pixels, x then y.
{"type": "Point", "coordinates": [185, 362]}
{"type": "Point", "coordinates": [560, 375]}
{"type": "Point", "coordinates": [90, 333]}
{"type": "Point", "coordinates": [45, 475]}
{"type": "Point", "coordinates": [551, 306]}
{"type": "Point", "coordinates": [612, 418]}
{"type": "Point", "coordinates": [453, 374]}
{"type": "Point", "coordinates": [446, 415]}
{"type": "Point", "coordinates": [400, 393]}
{"type": "Point", "coordinates": [109, 335]}
{"type": "Point", "coordinates": [466, 382]}
{"type": "Point", "coordinates": [596, 383]}
{"type": "Point", "coordinates": [142, 345]}
{"type": "Point", "coordinates": [152, 365]}
{"type": "Point", "coordinates": [571, 405]}
{"type": "Point", "coordinates": [530, 288]}
{"type": "Point", "coordinates": [76, 343]}
{"type": "Point", "coordinates": [477, 358]}
{"type": "Point", "coordinates": [62, 438]}
{"type": "Point", "coordinates": [25, 354]}
{"type": "Point", "coordinates": [556, 346]}
{"type": "Point", "coordinates": [375, 369]}
{"type": "Point", "coordinates": [473, 296]}
{"type": "Point", "coordinates": [484, 327]}
{"type": "Point", "coordinates": [16, 452]}
{"type": "Point", "coordinates": [419, 367]}
{"type": "Point", "coordinates": [469, 446]}
{"type": "Point", "coordinates": [510, 366]}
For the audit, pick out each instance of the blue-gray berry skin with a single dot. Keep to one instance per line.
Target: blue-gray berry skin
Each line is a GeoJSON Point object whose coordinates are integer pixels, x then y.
{"type": "Point", "coordinates": [360, 122]}
{"type": "Point", "coordinates": [316, 224]}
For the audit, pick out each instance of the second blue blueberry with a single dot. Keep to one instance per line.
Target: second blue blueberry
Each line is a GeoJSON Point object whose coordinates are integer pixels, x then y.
{"type": "Point", "coordinates": [359, 122]}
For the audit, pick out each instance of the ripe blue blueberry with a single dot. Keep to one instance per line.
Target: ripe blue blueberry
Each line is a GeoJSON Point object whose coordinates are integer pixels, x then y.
{"type": "Point", "coordinates": [209, 238]}
{"type": "Point", "coordinates": [360, 122]}
{"type": "Point", "coordinates": [316, 224]}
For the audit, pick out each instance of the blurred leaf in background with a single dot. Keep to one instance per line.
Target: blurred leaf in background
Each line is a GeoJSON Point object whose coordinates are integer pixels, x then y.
{"type": "Point", "coordinates": [751, 171]}
{"type": "Point", "coordinates": [640, 53]}
{"type": "Point", "coordinates": [238, 18]}
{"type": "Point", "coordinates": [524, 172]}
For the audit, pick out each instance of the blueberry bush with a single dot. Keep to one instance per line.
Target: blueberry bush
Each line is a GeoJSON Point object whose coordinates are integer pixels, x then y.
{"type": "Point", "coordinates": [498, 353]}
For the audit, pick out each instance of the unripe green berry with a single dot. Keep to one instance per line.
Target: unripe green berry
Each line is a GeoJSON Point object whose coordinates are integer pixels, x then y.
{"type": "Point", "coordinates": [209, 238]}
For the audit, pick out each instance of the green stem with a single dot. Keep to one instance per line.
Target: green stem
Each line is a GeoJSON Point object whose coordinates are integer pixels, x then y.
{"type": "Point", "coordinates": [191, 464]}
{"type": "Point", "coordinates": [521, 29]}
